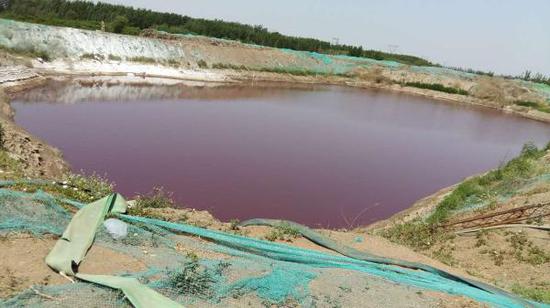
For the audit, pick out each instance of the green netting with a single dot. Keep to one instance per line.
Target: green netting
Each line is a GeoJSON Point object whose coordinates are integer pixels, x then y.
{"type": "Point", "coordinates": [241, 269]}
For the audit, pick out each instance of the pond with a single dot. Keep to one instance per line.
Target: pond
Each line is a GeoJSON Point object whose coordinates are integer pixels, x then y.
{"type": "Point", "coordinates": [323, 156]}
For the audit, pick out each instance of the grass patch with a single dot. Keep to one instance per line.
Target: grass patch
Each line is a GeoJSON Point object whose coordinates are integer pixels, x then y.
{"type": "Point", "coordinates": [479, 189]}
{"type": "Point", "coordinates": [12, 168]}
{"type": "Point", "coordinates": [142, 59]}
{"type": "Point", "coordinates": [31, 52]}
{"type": "Point", "coordinates": [114, 58]}
{"type": "Point", "coordinates": [173, 63]}
{"type": "Point", "coordinates": [539, 294]}
{"type": "Point", "coordinates": [421, 235]}
{"type": "Point", "coordinates": [92, 56]}
{"type": "Point", "coordinates": [223, 66]}
{"type": "Point", "coordinates": [416, 233]}
{"type": "Point", "coordinates": [279, 70]}
{"type": "Point", "coordinates": [283, 232]}
{"type": "Point", "coordinates": [537, 106]}
{"type": "Point", "coordinates": [78, 187]}
{"type": "Point", "coordinates": [158, 198]}
{"type": "Point", "coordinates": [436, 87]}
{"type": "Point", "coordinates": [525, 251]}
{"type": "Point", "coordinates": [293, 71]}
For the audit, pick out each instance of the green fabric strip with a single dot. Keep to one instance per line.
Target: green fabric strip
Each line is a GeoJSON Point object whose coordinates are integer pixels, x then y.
{"type": "Point", "coordinates": [70, 250]}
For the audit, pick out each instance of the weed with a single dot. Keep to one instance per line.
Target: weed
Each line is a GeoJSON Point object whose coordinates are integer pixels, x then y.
{"type": "Point", "coordinates": [416, 234]}
{"type": "Point", "coordinates": [234, 224]}
{"type": "Point", "coordinates": [536, 256]}
{"type": "Point", "coordinates": [481, 238]}
{"type": "Point", "coordinates": [445, 255]}
{"type": "Point", "coordinates": [283, 232]}
{"type": "Point", "coordinates": [192, 279]}
{"type": "Point", "coordinates": [498, 257]}
{"type": "Point", "coordinates": [156, 199]}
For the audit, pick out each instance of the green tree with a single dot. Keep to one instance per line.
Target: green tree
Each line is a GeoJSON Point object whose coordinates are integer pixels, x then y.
{"type": "Point", "coordinates": [119, 24]}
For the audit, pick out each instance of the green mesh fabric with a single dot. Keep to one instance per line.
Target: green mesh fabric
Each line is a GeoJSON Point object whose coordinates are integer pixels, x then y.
{"type": "Point", "coordinates": [241, 269]}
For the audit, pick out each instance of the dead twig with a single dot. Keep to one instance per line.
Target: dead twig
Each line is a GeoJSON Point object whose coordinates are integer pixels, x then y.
{"type": "Point", "coordinates": [44, 295]}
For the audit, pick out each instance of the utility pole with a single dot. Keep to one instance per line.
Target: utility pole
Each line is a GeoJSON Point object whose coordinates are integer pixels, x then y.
{"type": "Point", "coordinates": [335, 41]}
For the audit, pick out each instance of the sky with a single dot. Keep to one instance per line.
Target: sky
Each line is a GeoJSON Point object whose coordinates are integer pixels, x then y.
{"type": "Point", "coordinates": [504, 36]}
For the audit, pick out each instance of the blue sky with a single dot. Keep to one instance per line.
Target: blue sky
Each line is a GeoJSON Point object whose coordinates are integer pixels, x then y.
{"type": "Point", "coordinates": [505, 36]}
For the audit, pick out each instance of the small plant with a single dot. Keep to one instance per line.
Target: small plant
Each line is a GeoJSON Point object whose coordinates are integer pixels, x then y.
{"type": "Point", "coordinates": [234, 224]}
{"type": "Point", "coordinates": [498, 257]}
{"type": "Point", "coordinates": [283, 232]}
{"type": "Point", "coordinates": [202, 64]}
{"type": "Point", "coordinates": [192, 279]}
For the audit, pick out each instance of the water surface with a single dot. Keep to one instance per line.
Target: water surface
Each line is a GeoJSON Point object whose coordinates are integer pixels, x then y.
{"type": "Point", "coordinates": [325, 156]}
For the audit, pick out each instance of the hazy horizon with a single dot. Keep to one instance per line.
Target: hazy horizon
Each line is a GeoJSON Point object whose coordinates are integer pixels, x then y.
{"type": "Point", "coordinates": [490, 35]}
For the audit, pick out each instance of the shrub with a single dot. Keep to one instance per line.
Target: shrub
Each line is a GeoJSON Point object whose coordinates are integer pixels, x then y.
{"type": "Point", "coordinates": [119, 23]}
{"type": "Point", "coordinates": [202, 64]}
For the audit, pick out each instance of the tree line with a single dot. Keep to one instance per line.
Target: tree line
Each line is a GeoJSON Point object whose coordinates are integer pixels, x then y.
{"type": "Point", "coordinates": [129, 20]}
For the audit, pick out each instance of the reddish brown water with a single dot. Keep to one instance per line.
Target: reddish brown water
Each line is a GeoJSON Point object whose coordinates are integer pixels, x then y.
{"type": "Point", "coordinates": [325, 156]}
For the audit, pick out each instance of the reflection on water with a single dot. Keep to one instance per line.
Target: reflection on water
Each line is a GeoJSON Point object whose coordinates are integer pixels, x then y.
{"type": "Point", "coordinates": [317, 155]}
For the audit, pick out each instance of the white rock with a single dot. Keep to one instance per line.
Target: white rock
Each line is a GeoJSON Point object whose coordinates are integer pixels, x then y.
{"type": "Point", "coordinates": [116, 228]}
